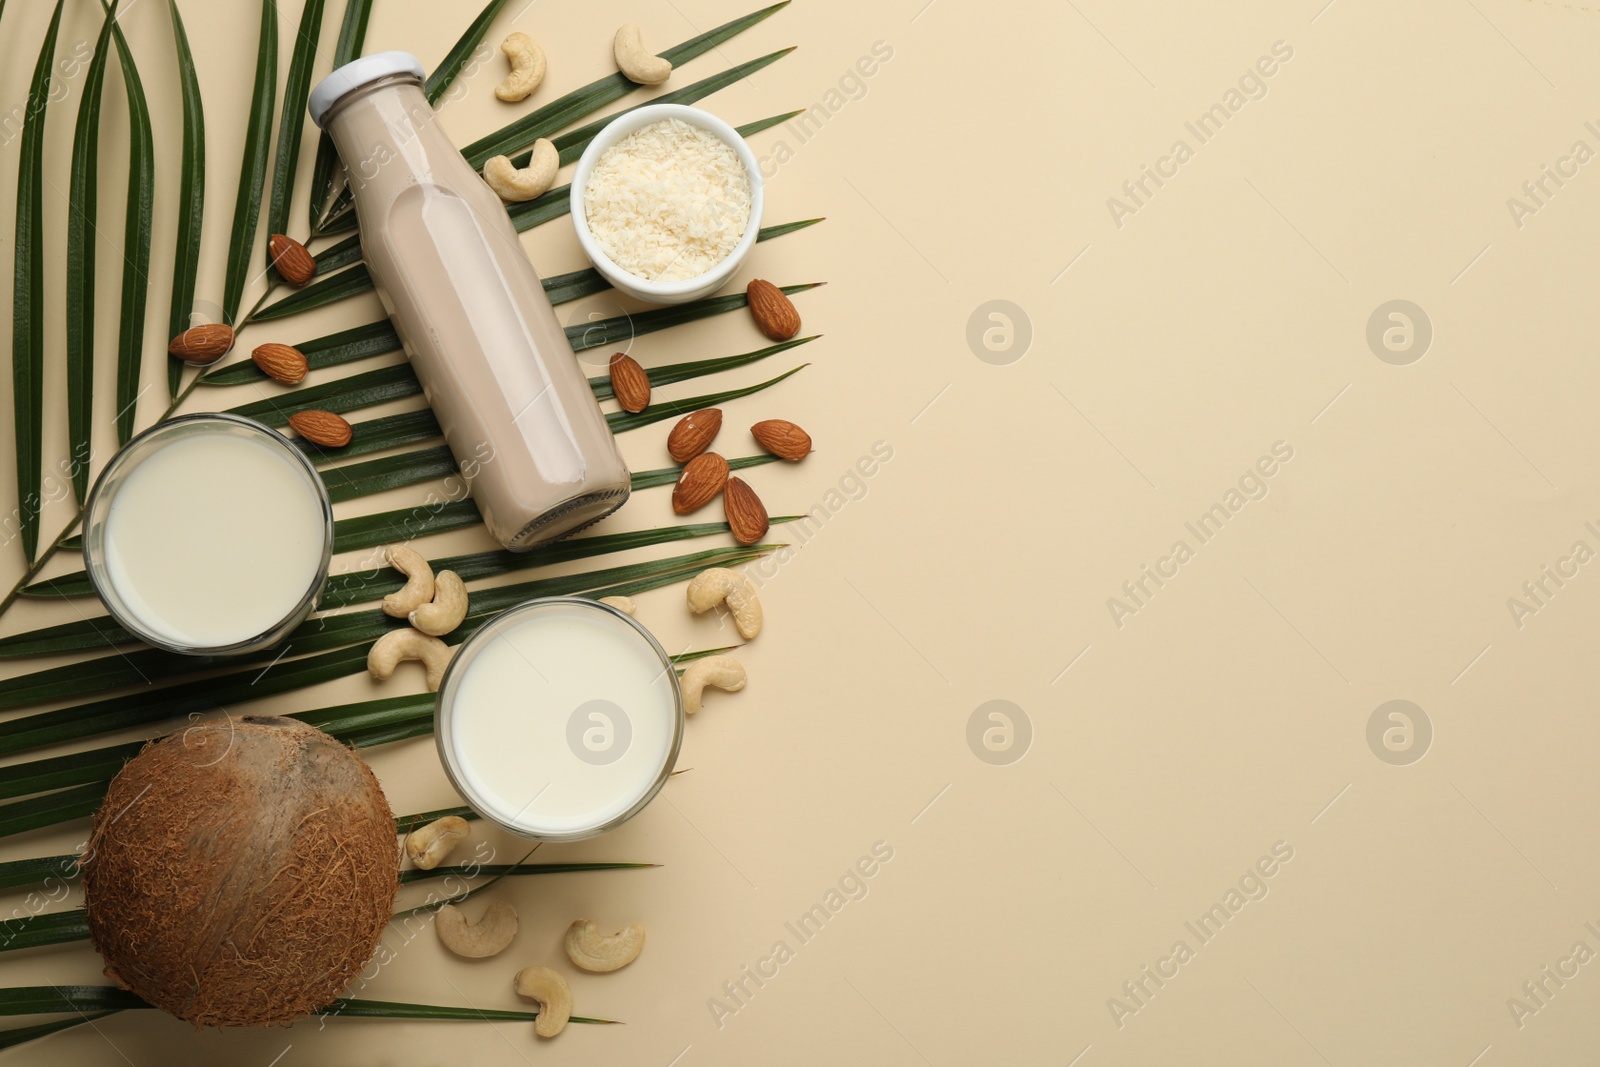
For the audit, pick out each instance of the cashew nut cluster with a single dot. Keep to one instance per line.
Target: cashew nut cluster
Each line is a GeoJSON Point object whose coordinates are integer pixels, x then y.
{"type": "Point", "coordinates": [720, 585]}
{"type": "Point", "coordinates": [429, 845]}
{"type": "Point", "coordinates": [553, 995]}
{"type": "Point", "coordinates": [418, 589]}
{"type": "Point", "coordinates": [623, 604]}
{"type": "Point", "coordinates": [720, 672]}
{"type": "Point", "coordinates": [447, 609]}
{"type": "Point", "coordinates": [636, 62]}
{"type": "Point", "coordinates": [397, 646]}
{"type": "Point", "coordinates": [527, 68]}
{"type": "Point", "coordinates": [489, 936]}
{"type": "Point", "coordinates": [537, 177]}
{"type": "Point", "coordinates": [591, 950]}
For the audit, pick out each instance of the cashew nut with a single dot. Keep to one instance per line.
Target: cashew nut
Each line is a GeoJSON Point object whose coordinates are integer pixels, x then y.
{"type": "Point", "coordinates": [429, 845]}
{"type": "Point", "coordinates": [489, 936]}
{"type": "Point", "coordinates": [537, 177]}
{"type": "Point", "coordinates": [448, 607]}
{"type": "Point", "coordinates": [623, 604]}
{"type": "Point", "coordinates": [635, 61]}
{"type": "Point", "coordinates": [594, 951]}
{"type": "Point", "coordinates": [721, 672]}
{"type": "Point", "coordinates": [527, 68]}
{"type": "Point", "coordinates": [717, 585]}
{"type": "Point", "coordinates": [397, 646]}
{"type": "Point", "coordinates": [418, 589]}
{"type": "Point", "coordinates": [553, 994]}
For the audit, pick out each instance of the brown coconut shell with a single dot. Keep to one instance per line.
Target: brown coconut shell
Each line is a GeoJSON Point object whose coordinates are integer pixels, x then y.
{"type": "Point", "coordinates": [241, 872]}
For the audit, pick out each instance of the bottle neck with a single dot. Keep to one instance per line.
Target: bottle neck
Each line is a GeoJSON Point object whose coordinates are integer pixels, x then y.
{"type": "Point", "coordinates": [387, 132]}
{"type": "Point", "coordinates": [378, 85]}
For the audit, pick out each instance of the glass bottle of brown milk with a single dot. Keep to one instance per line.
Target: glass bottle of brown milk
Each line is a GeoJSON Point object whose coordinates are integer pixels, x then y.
{"type": "Point", "coordinates": [494, 363]}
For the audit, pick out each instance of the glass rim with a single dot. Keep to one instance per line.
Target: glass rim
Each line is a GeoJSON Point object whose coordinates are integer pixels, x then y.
{"type": "Point", "coordinates": [444, 705]}
{"type": "Point", "coordinates": [97, 505]}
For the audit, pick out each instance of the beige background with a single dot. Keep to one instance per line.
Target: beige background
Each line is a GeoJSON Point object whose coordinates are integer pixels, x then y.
{"type": "Point", "coordinates": [1168, 755]}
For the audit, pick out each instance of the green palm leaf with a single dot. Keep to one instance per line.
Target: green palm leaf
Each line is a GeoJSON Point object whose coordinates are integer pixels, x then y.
{"type": "Point", "coordinates": [622, 328]}
{"type": "Point", "coordinates": [27, 314]}
{"type": "Point", "coordinates": [326, 289]}
{"type": "Point", "coordinates": [561, 113]}
{"type": "Point", "coordinates": [622, 421]}
{"type": "Point", "coordinates": [384, 1009]}
{"type": "Point", "coordinates": [346, 394]}
{"type": "Point", "coordinates": [83, 209]}
{"type": "Point", "coordinates": [64, 927]}
{"type": "Point", "coordinates": [374, 435]}
{"type": "Point", "coordinates": [456, 59]}
{"type": "Point", "coordinates": [34, 931]}
{"type": "Point", "coordinates": [49, 809]}
{"type": "Point", "coordinates": [37, 869]}
{"type": "Point", "coordinates": [564, 111]}
{"type": "Point", "coordinates": [345, 721]}
{"type": "Point", "coordinates": [546, 206]}
{"type": "Point", "coordinates": [572, 143]}
{"type": "Point", "coordinates": [391, 472]}
{"type": "Point", "coordinates": [148, 666]}
{"type": "Point", "coordinates": [519, 870]}
{"type": "Point", "coordinates": [360, 725]}
{"type": "Point", "coordinates": [135, 239]}
{"type": "Point", "coordinates": [404, 824]}
{"type": "Point", "coordinates": [332, 288]}
{"type": "Point", "coordinates": [361, 342]}
{"type": "Point", "coordinates": [201, 695]}
{"type": "Point", "coordinates": [361, 586]}
{"type": "Point", "coordinates": [191, 197]}
{"type": "Point", "coordinates": [253, 167]}
{"type": "Point", "coordinates": [400, 525]}
{"type": "Point", "coordinates": [392, 383]}
{"type": "Point", "coordinates": [679, 372]}
{"type": "Point", "coordinates": [399, 381]}
{"type": "Point", "coordinates": [292, 120]}
{"type": "Point", "coordinates": [355, 480]}
{"type": "Point", "coordinates": [669, 476]}
{"type": "Point", "coordinates": [550, 205]}
{"type": "Point", "coordinates": [83, 999]}
{"type": "Point", "coordinates": [18, 1035]}
{"type": "Point", "coordinates": [403, 524]}
{"type": "Point", "coordinates": [352, 35]}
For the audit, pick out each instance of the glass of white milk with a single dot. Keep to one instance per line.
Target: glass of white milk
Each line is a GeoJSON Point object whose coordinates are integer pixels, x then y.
{"type": "Point", "coordinates": [208, 535]}
{"type": "Point", "coordinates": [560, 719]}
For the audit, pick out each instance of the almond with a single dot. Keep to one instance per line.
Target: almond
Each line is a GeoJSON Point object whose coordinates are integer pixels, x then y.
{"type": "Point", "coordinates": [321, 428]}
{"type": "Point", "coordinates": [693, 434]}
{"type": "Point", "coordinates": [630, 383]}
{"type": "Point", "coordinates": [774, 312]}
{"type": "Point", "coordinates": [782, 438]}
{"type": "Point", "coordinates": [747, 516]}
{"type": "Point", "coordinates": [295, 265]}
{"type": "Point", "coordinates": [202, 344]}
{"type": "Point", "coordinates": [282, 362]}
{"type": "Point", "coordinates": [702, 479]}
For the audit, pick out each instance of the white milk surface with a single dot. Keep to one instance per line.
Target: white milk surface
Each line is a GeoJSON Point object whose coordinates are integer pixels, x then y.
{"type": "Point", "coordinates": [561, 680]}
{"type": "Point", "coordinates": [213, 539]}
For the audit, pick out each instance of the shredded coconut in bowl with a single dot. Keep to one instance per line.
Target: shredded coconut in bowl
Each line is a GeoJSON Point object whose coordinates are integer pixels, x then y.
{"type": "Point", "coordinates": [668, 202]}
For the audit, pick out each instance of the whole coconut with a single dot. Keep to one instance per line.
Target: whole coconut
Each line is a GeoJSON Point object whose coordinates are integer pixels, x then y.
{"type": "Point", "coordinates": [241, 872]}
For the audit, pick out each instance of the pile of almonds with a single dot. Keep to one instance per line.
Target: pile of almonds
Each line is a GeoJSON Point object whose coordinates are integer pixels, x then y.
{"type": "Point", "coordinates": [208, 343]}
{"type": "Point", "coordinates": [705, 473]}
{"type": "Point", "coordinates": [203, 345]}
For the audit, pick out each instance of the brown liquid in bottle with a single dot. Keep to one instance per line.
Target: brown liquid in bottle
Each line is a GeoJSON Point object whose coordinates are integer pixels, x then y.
{"type": "Point", "coordinates": [495, 365]}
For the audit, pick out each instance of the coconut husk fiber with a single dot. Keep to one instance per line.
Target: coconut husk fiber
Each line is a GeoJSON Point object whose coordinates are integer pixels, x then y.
{"type": "Point", "coordinates": [241, 872]}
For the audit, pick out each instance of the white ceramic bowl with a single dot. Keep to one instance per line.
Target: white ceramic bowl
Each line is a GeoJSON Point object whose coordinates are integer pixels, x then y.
{"type": "Point", "coordinates": [678, 292]}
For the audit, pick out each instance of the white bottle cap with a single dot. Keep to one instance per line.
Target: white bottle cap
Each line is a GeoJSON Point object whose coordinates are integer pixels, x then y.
{"type": "Point", "coordinates": [355, 74]}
